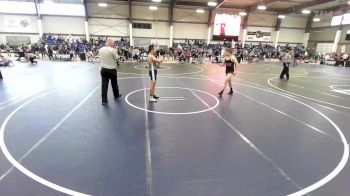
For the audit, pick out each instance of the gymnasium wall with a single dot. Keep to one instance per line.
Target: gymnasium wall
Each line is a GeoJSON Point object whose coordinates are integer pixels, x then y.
{"type": "Point", "coordinates": [263, 29]}
{"type": "Point", "coordinates": [63, 25]}
{"type": "Point", "coordinates": [295, 36]}
{"type": "Point", "coordinates": [117, 25]}
{"type": "Point", "coordinates": [108, 27]}
{"type": "Point", "coordinates": [292, 29]}
{"type": "Point", "coordinates": [32, 27]}
{"type": "Point", "coordinates": [113, 21]}
{"type": "Point", "coordinates": [326, 21]}
{"type": "Point", "coordinates": [119, 10]}
{"type": "Point", "coordinates": [343, 35]}
{"type": "Point", "coordinates": [322, 32]}
{"type": "Point", "coordinates": [323, 35]}
{"type": "Point", "coordinates": [294, 22]}
{"type": "Point", "coordinates": [159, 30]}
{"type": "Point", "coordinates": [10, 25]}
{"type": "Point", "coordinates": [344, 42]}
{"type": "Point", "coordinates": [262, 20]}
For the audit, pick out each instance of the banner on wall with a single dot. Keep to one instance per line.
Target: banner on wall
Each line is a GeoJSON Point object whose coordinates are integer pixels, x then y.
{"type": "Point", "coordinates": [227, 25]}
{"type": "Point", "coordinates": [258, 36]}
{"type": "Point", "coordinates": [17, 24]}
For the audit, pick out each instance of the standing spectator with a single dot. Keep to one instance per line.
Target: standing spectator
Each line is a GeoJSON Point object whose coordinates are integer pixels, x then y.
{"type": "Point", "coordinates": [188, 55]}
{"type": "Point", "coordinates": [42, 51]}
{"type": "Point", "coordinates": [287, 60]}
{"type": "Point", "coordinates": [50, 53]}
{"type": "Point", "coordinates": [8, 50]}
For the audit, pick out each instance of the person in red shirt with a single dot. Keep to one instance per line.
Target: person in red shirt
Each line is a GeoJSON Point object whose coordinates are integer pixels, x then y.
{"type": "Point", "coordinates": [222, 29]}
{"type": "Point", "coordinates": [188, 55]}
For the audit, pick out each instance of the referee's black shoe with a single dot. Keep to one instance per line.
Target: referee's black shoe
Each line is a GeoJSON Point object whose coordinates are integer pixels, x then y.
{"type": "Point", "coordinates": [118, 97]}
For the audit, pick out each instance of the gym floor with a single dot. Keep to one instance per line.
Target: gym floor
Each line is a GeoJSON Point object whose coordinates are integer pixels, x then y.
{"type": "Point", "coordinates": [272, 137]}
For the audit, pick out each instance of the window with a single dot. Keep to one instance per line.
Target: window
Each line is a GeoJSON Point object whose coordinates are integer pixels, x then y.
{"type": "Point", "coordinates": [16, 7]}
{"type": "Point", "coordinates": [51, 8]}
{"type": "Point", "coordinates": [346, 19]}
{"type": "Point", "coordinates": [141, 26]}
{"type": "Point", "coordinates": [336, 20]}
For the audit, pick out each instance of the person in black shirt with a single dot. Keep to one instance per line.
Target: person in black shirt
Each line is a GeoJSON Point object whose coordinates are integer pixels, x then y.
{"type": "Point", "coordinates": [230, 62]}
{"type": "Point", "coordinates": [50, 53]}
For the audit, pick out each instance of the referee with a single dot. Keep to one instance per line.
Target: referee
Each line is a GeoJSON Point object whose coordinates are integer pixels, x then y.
{"type": "Point", "coordinates": [287, 60]}
{"type": "Point", "coordinates": [108, 59]}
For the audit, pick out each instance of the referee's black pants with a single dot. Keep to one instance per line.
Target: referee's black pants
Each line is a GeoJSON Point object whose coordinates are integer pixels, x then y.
{"type": "Point", "coordinates": [285, 71]}
{"type": "Point", "coordinates": [106, 75]}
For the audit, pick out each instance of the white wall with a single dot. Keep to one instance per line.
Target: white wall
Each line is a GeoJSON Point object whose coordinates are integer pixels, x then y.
{"type": "Point", "coordinates": [31, 28]}
{"type": "Point", "coordinates": [143, 12]}
{"type": "Point", "coordinates": [343, 35]}
{"type": "Point", "coordinates": [262, 20]}
{"type": "Point", "coordinates": [326, 21]}
{"type": "Point", "coordinates": [112, 11]}
{"type": "Point", "coordinates": [323, 48]}
{"type": "Point", "coordinates": [291, 36]}
{"type": "Point", "coordinates": [11, 28]}
{"type": "Point", "coordinates": [63, 25]}
{"type": "Point", "coordinates": [294, 22]}
{"type": "Point", "coordinates": [187, 24]}
{"type": "Point", "coordinates": [159, 30]}
{"type": "Point", "coordinates": [190, 31]}
{"type": "Point", "coordinates": [190, 15]}
{"type": "Point", "coordinates": [323, 35]}
{"type": "Point", "coordinates": [108, 27]}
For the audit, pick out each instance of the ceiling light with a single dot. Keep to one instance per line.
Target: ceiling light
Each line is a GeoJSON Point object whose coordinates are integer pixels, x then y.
{"type": "Point", "coordinates": [317, 19]}
{"type": "Point", "coordinates": [242, 13]}
{"type": "Point", "coordinates": [200, 11]}
{"type": "Point", "coordinates": [261, 7]}
{"type": "Point", "coordinates": [281, 16]}
{"type": "Point", "coordinates": [157, 1]}
{"type": "Point", "coordinates": [102, 4]}
{"type": "Point", "coordinates": [212, 3]}
{"type": "Point", "coordinates": [348, 2]}
{"type": "Point", "coordinates": [153, 7]}
{"type": "Point", "coordinates": [306, 11]}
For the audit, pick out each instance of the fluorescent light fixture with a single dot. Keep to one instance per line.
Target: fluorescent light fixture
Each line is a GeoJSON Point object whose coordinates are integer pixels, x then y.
{"type": "Point", "coordinates": [153, 7]}
{"type": "Point", "coordinates": [349, 2]}
{"type": "Point", "coordinates": [200, 11]}
{"type": "Point", "coordinates": [261, 7]}
{"type": "Point", "coordinates": [242, 13]}
{"type": "Point", "coordinates": [102, 4]}
{"type": "Point", "coordinates": [157, 1]}
{"type": "Point", "coordinates": [212, 3]}
{"type": "Point", "coordinates": [306, 11]}
{"type": "Point", "coordinates": [316, 19]}
{"type": "Point", "coordinates": [281, 16]}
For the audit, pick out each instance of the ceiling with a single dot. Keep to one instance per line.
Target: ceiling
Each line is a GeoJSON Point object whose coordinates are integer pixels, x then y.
{"type": "Point", "coordinates": [279, 6]}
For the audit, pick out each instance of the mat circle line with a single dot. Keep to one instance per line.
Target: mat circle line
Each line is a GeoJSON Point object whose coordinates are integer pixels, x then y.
{"type": "Point", "coordinates": [59, 188]}
{"type": "Point", "coordinates": [173, 113]}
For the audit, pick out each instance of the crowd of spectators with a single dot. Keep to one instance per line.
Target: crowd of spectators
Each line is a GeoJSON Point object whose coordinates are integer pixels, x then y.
{"type": "Point", "coordinates": [190, 51]}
